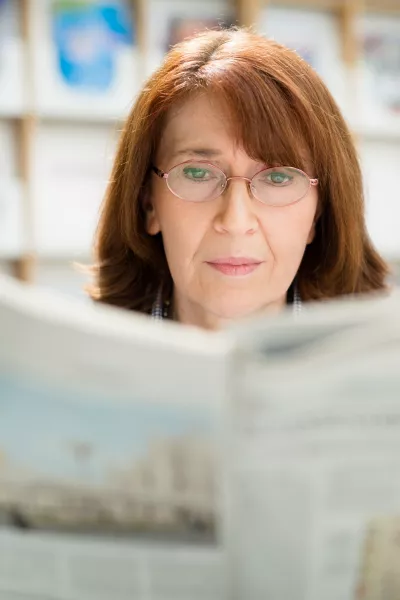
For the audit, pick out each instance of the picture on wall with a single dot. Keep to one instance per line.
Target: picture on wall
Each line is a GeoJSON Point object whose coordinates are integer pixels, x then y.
{"type": "Point", "coordinates": [382, 57]}
{"type": "Point", "coordinates": [380, 72]}
{"type": "Point", "coordinates": [85, 56]}
{"type": "Point", "coordinates": [71, 166]}
{"type": "Point", "coordinates": [86, 38]}
{"type": "Point", "coordinates": [12, 97]}
{"type": "Point", "coordinates": [171, 22]}
{"type": "Point", "coordinates": [181, 28]}
{"type": "Point", "coordinates": [11, 193]}
{"type": "Point", "coordinates": [314, 35]}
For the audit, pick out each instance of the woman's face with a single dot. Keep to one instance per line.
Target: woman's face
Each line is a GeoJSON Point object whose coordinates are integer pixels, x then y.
{"type": "Point", "coordinates": [206, 242]}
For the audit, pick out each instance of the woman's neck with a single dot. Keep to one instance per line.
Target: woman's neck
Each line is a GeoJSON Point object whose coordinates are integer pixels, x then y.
{"type": "Point", "coordinates": [190, 313]}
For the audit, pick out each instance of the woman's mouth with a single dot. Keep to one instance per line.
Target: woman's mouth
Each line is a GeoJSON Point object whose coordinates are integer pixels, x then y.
{"type": "Point", "coordinates": [235, 266]}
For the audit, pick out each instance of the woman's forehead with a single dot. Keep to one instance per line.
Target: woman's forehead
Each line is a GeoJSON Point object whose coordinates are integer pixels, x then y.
{"type": "Point", "coordinates": [197, 120]}
{"type": "Point", "coordinates": [204, 125]}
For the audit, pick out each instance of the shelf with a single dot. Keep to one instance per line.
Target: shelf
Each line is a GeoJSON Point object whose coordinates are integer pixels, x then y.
{"type": "Point", "coordinates": [383, 133]}
{"type": "Point", "coordinates": [331, 5]}
{"type": "Point", "coordinates": [80, 117]}
{"type": "Point", "coordinates": [68, 259]}
{"type": "Point", "coordinates": [380, 6]}
{"type": "Point", "coordinates": [9, 113]}
{"type": "Point", "coordinates": [63, 116]}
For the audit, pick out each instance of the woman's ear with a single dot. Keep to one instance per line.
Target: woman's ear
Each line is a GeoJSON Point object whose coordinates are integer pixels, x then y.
{"type": "Point", "coordinates": [151, 219]}
{"type": "Point", "coordinates": [152, 224]}
{"type": "Point", "coordinates": [311, 234]}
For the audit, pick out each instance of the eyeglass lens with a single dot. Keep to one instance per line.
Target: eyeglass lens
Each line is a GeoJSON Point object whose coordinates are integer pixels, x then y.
{"type": "Point", "coordinates": [200, 182]}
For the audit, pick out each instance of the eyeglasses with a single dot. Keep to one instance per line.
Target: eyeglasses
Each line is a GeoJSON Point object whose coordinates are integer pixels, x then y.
{"type": "Point", "coordinates": [200, 181]}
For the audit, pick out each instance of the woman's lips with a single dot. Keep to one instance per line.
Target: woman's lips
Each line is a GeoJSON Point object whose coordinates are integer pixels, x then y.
{"type": "Point", "coordinates": [235, 266]}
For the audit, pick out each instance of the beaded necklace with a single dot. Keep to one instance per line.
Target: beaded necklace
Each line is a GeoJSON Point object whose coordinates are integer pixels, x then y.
{"type": "Point", "coordinates": [162, 308]}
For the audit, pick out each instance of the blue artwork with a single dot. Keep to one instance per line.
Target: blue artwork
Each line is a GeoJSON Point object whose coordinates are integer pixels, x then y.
{"type": "Point", "coordinates": [87, 38]}
{"type": "Point", "coordinates": [9, 19]}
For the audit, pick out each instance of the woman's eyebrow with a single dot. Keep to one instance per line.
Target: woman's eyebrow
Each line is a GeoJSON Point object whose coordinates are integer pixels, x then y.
{"type": "Point", "coordinates": [203, 152]}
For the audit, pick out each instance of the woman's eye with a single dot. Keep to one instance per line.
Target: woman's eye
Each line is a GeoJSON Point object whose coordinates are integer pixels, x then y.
{"type": "Point", "coordinates": [278, 178]}
{"type": "Point", "coordinates": [197, 174]}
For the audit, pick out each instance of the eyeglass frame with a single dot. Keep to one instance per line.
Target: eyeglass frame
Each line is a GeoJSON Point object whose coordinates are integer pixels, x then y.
{"type": "Point", "coordinates": [164, 175]}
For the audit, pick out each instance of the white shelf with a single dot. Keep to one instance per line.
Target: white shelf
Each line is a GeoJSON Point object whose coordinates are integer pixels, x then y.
{"type": "Point", "coordinates": [67, 116]}
{"type": "Point", "coordinates": [7, 112]}
{"type": "Point", "coordinates": [81, 116]}
{"type": "Point", "coordinates": [385, 132]}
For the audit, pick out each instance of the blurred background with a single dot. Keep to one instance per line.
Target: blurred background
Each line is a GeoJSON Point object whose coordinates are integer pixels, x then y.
{"type": "Point", "coordinates": [70, 70]}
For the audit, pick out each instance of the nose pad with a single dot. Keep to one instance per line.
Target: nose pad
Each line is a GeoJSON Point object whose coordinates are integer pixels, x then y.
{"type": "Point", "coordinates": [238, 177]}
{"type": "Point", "coordinates": [245, 179]}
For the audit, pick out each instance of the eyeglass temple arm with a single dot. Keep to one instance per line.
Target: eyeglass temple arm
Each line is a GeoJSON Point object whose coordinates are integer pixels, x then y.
{"type": "Point", "coordinates": [159, 172]}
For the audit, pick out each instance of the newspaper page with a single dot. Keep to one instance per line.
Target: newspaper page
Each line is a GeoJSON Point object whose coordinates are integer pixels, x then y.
{"type": "Point", "coordinates": [314, 502]}
{"type": "Point", "coordinates": [109, 425]}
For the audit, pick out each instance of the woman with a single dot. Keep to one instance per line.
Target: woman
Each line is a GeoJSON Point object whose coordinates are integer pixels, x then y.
{"type": "Point", "coordinates": [236, 189]}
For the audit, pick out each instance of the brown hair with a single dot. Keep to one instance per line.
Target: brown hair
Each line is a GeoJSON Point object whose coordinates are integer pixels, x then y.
{"type": "Point", "coordinates": [279, 107]}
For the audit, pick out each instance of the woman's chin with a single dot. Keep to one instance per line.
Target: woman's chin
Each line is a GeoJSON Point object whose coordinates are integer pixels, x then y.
{"type": "Point", "coordinates": [229, 311]}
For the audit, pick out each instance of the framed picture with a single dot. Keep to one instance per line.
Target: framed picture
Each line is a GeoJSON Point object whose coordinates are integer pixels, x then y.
{"type": "Point", "coordinates": [379, 91]}
{"type": "Point", "coordinates": [181, 28]}
{"type": "Point", "coordinates": [11, 193]}
{"type": "Point", "coordinates": [71, 166]}
{"type": "Point", "coordinates": [380, 160]}
{"type": "Point", "coordinates": [85, 57]}
{"type": "Point", "coordinates": [173, 21]}
{"type": "Point", "coordinates": [12, 76]}
{"type": "Point", "coordinates": [314, 35]}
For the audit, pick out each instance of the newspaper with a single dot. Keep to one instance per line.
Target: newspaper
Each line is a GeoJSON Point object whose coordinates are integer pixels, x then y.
{"type": "Point", "coordinates": [150, 461]}
{"type": "Point", "coordinates": [108, 461]}
{"type": "Point", "coordinates": [314, 499]}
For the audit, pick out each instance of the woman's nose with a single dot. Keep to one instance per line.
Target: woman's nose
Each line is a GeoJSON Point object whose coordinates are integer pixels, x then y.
{"type": "Point", "coordinates": [236, 213]}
